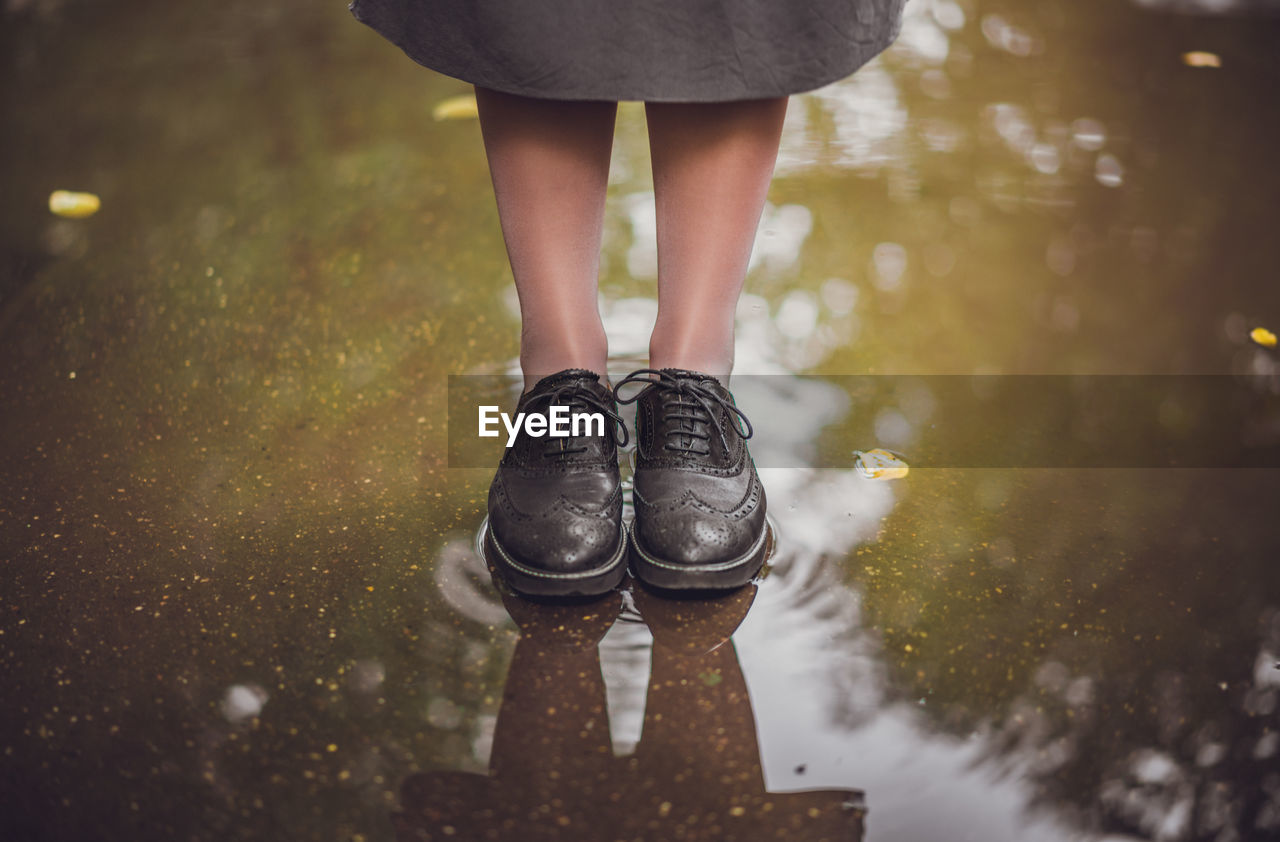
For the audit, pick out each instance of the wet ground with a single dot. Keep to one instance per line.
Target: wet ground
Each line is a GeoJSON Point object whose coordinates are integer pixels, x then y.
{"type": "Point", "coordinates": [240, 597]}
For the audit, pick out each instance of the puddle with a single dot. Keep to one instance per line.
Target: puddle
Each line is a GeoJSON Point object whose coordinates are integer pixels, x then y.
{"type": "Point", "coordinates": [241, 595]}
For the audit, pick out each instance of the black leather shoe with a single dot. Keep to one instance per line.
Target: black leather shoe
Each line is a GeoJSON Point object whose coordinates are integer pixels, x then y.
{"type": "Point", "coordinates": [699, 505]}
{"type": "Point", "coordinates": [555, 504]}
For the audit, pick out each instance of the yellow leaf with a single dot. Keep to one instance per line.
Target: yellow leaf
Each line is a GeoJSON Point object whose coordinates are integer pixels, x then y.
{"type": "Point", "coordinates": [456, 108]}
{"type": "Point", "coordinates": [73, 205]}
{"type": "Point", "coordinates": [1263, 337]}
{"type": "Point", "coordinates": [1199, 58]}
{"type": "Point", "coordinates": [879, 464]}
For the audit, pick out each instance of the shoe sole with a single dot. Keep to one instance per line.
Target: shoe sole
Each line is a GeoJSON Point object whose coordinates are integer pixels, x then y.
{"type": "Point", "coordinates": [682, 576]}
{"type": "Point", "coordinates": [528, 580]}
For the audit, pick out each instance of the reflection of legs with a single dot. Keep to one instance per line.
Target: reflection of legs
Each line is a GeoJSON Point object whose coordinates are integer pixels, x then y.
{"type": "Point", "coordinates": [712, 163]}
{"type": "Point", "coordinates": [552, 762]}
{"type": "Point", "coordinates": [550, 165]}
{"type": "Point", "coordinates": [699, 755]}
{"type": "Point", "coordinates": [550, 766]}
{"type": "Point", "coordinates": [699, 730]}
{"type": "Point", "coordinates": [552, 754]}
{"type": "Point", "coordinates": [554, 721]}
{"type": "Point", "coordinates": [435, 800]}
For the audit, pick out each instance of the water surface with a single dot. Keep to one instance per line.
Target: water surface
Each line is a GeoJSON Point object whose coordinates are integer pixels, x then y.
{"type": "Point", "coordinates": [240, 594]}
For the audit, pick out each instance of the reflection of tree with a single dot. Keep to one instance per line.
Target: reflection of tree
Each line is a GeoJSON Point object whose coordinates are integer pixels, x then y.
{"type": "Point", "coordinates": [694, 775]}
{"type": "Point", "coordinates": [1110, 626]}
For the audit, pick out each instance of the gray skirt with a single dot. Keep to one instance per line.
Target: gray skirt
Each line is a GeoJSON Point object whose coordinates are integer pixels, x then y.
{"type": "Point", "coordinates": [649, 50]}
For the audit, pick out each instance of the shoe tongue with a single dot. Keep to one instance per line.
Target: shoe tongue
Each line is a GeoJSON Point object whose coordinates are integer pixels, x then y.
{"type": "Point", "coordinates": [561, 377]}
{"type": "Point", "coordinates": [701, 376]}
{"type": "Point", "coordinates": [686, 374]}
{"type": "Point", "coordinates": [574, 379]}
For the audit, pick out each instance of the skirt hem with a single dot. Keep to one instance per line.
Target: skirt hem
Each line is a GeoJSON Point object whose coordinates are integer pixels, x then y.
{"type": "Point", "coordinates": [665, 90]}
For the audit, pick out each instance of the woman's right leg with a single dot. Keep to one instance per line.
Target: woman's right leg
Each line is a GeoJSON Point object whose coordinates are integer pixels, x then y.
{"type": "Point", "coordinates": [555, 504]}
{"type": "Point", "coordinates": [550, 165]}
{"type": "Point", "coordinates": [712, 163]}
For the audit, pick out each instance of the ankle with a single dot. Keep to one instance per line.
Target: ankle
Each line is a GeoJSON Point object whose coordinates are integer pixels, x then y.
{"type": "Point", "coordinates": [706, 348]}
{"type": "Point", "coordinates": [718, 365]}
{"type": "Point", "coordinates": [540, 358]}
{"type": "Point", "coordinates": [533, 373]}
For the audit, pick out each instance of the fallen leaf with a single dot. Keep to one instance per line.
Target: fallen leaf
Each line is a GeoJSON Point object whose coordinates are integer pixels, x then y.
{"type": "Point", "coordinates": [879, 464]}
{"type": "Point", "coordinates": [1263, 337]}
{"type": "Point", "coordinates": [1199, 58]}
{"type": "Point", "coordinates": [73, 205]}
{"type": "Point", "coordinates": [456, 108]}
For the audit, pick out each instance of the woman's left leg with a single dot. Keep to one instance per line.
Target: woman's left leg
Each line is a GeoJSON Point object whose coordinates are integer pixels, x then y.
{"type": "Point", "coordinates": [699, 505]}
{"type": "Point", "coordinates": [712, 164]}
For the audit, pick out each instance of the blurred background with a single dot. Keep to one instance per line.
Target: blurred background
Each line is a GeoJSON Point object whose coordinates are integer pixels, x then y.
{"type": "Point", "coordinates": [239, 597]}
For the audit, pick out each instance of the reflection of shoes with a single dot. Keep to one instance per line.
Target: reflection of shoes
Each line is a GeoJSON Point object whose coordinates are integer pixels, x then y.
{"type": "Point", "coordinates": [699, 505]}
{"type": "Point", "coordinates": [693, 626]}
{"type": "Point", "coordinates": [555, 505]}
{"type": "Point", "coordinates": [568, 626]}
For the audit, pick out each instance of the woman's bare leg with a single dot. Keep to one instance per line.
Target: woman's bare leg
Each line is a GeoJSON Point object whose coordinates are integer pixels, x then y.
{"type": "Point", "coordinates": [712, 164]}
{"type": "Point", "coordinates": [550, 165]}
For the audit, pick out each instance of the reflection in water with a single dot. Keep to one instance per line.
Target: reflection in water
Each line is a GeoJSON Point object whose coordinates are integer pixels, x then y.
{"type": "Point", "coordinates": [695, 773]}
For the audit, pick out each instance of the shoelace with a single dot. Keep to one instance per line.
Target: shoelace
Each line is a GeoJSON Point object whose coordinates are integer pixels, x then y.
{"type": "Point", "coordinates": [577, 397]}
{"type": "Point", "coordinates": [690, 403]}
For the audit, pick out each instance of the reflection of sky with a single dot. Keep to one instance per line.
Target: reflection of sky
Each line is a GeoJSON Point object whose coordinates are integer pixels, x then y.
{"type": "Point", "coordinates": [820, 692]}
{"type": "Point", "coordinates": [819, 689]}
